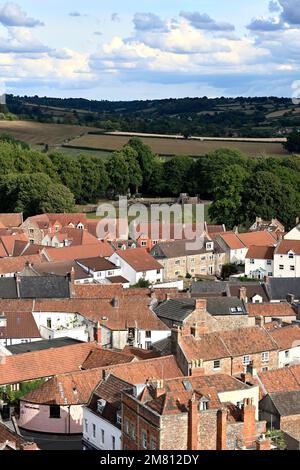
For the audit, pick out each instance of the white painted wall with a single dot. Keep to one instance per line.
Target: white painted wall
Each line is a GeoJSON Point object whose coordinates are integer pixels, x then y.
{"type": "Point", "coordinates": [129, 273]}
{"type": "Point", "coordinates": [289, 356]}
{"type": "Point", "coordinates": [90, 418]}
{"type": "Point", "coordinates": [293, 234]}
{"type": "Point", "coordinates": [238, 256]}
{"type": "Point", "coordinates": [258, 264]}
{"type": "Point", "coordinates": [237, 396]}
{"type": "Point", "coordinates": [287, 263]}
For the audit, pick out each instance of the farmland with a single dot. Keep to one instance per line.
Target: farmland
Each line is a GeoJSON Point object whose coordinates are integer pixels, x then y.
{"type": "Point", "coordinates": [170, 147]}
{"type": "Point", "coordinates": [35, 133]}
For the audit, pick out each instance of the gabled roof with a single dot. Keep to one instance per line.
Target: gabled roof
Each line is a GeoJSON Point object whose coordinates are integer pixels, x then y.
{"type": "Point", "coordinates": [97, 264]}
{"type": "Point", "coordinates": [68, 389]}
{"type": "Point", "coordinates": [279, 287]}
{"type": "Point", "coordinates": [100, 248]}
{"type": "Point", "coordinates": [175, 309]}
{"type": "Point", "coordinates": [285, 246]}
{"type": "Point", "coordinates": [231, 343]}
{"type": "Point", "coordinates": [232, 241]}
{"type": "Point", "coordinates": [263, 238]}
{"type": "Point", "coordinates": [208, 287]}
{"type": "Point", "coordinates": [20, 325]}
{"type": "Point", "coordinates": [104, 358]}
{"type": "Point", "coordinates": [280, 309]}
{"type": "Point", "coordinates": [180, 248]}
{"type": "Point", "coordinates": [252, 289]}
{"type": "Point", "coordinates": [137, 373]}
{"type": "Point", "coordinates": [17, 264]}
{"type": "Point", "coordinates": [286, 337]}
{"type": "Point", "coordinates": [286, 379]}
{"type": "Point", "coordinates": [261, 252]}
{"type": "Point", "coordinates": [139, 259]}
{"type": "Point", "coordinates": [11, 220]}
{"type": "Point", "coordinates": [46, 363]}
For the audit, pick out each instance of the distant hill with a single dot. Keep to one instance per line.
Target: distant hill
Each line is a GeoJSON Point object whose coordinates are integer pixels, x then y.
{"type": "Point", "coordinates": [220, 117]}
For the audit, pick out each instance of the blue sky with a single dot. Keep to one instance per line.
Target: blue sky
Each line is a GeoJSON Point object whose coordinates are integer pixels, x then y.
{"type": "Point", "coordinates": [149, 49]}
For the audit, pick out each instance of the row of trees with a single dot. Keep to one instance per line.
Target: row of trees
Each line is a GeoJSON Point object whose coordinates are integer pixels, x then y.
{"type": "Point", "coordinates": [240, 187]}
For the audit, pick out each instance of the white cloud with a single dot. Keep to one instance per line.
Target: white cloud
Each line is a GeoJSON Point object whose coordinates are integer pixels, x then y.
{"type": "Point", "coordinates": [11, 14]}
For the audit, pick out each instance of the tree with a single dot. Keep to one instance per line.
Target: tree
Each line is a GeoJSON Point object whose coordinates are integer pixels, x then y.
{"type": "Point", "coordinates": [142, 284]}
{"type": "Point", "coordinates": [34, 194]}
{"type": "Point", "coordinates": [293, 142]}
{"type": "Point", "coordinates": [118, 174]}
{"type": "Point", "coordinates": [94, 179]}
{"type": "Point", "coordinates": [228, 270]}
{"type": "Point", "coordinates": [135, 174]}
{"type": "Point", "coordinates": [145, 158]}
{"type": "Point", "coordinates": [176, 172]}
{"type": "Point", "coordinates": [68, 169]}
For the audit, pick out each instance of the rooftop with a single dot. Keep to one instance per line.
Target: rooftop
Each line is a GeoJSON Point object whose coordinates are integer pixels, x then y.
{"type": "Point", "coordinates": [139, 259]}
{"type": "Point", "coordinates": [20, 325]}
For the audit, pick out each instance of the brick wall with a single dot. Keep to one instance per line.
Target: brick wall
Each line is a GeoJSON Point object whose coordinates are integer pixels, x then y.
{"type": "Point", "coordinates": [258, 364]}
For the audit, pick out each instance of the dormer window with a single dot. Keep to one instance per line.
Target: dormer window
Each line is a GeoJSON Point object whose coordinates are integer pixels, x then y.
{"type": "Point", "coordinates": [100, 406]}
{"type": "Point", "coordinates": [291, 255]}
{"type": "Point", "coordinates": [203, 404]}
{"type": "Point", "coordinates": [209, 246]}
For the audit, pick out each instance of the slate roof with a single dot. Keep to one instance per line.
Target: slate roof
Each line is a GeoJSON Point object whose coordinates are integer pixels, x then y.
{"type": "Point", "coordinates": [175, 309]}
{"type": "Point", "coordinates": [179, 309]}
{"type": "Point", "coordinates": [279, 287]}
{"type": "Point", "coordinates": [44, 287]}
{"type": "Point", "coordinates": [8, 288]}
{"type": "Point", "coordinates": [286, 403]}
{"type": "Point", "coordinates": [178, 248]}
{"type": "Point", "coordinates": [252, 289]}
{"type": "Point", "coordinates": [42, 345]}
{"type": "Point", "coordinates": [207, 287]}
{"type": "Point", "coordinates": [97, 264]}
{"type": "Point", "coordinates": [226, 306]}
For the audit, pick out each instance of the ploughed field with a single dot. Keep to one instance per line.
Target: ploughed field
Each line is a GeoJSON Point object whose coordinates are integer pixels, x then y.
{"type": "Point", "coordinates": [169, 146]}
{"type": "Point", "coordinates": [36, 133]}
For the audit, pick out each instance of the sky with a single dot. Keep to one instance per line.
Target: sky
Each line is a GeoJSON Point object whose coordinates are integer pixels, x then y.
{"type": "Point", "coordinates": [150, 49]}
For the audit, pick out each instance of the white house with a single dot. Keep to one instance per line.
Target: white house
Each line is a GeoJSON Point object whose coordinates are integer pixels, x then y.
{"type": "Point", "coordinates": [101, 270]}
{"type": "Point", "coordinates": [293, 234]}
{"type": "Point", "coordinates": [54, 325]}
{"type": "Point", "coordinates": [287, 259]}
{"type": "Point", "coordinates": [137, 264]}
{"type": "Point", "coordinates": [259, 262]}
{"type": "Point", "coordinates": [102, 416]}
{"type": "Point", "coordinates": [288, 341]}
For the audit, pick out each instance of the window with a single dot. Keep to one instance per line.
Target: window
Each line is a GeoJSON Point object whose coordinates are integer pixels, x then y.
{"type": "Point", "coordinates": [287, 354]}
{"type": "Point", "coordinates": [144, 439]}
{"type": "Point", "coordinates": [133, 432]}
{"type": "Point", "coordinates": [192, 260]}
{"type": "Point", "coordinates": [54, 411]}
{"type": "Point", "coordinates": [94, 430]}
{"type": "Point", "coordinates": [31, 242]}
{"type": "Point", "coordinates": [113, 442]}
{"type": "Point", "coordinates": [158, 271]}
{"type": "Point", "coordinates": [49, 323]}
{"type": "Point", "coordinates": [126, 427]}
{"type": "Point", "coordinates": [265, 369]}
{"type": "Point", "coordinates": [217, 365]}
{"type": "Point", "coordinates": [269, 262]}
{"type": "Point", "coordinates": [252, 261]}
{"type": "Point", "coordinates": [177, 262]}
{"type": "Point", "coordinates": [291, 255]}
{"type": "Point", "coordinates": [148, 345]}
{"type": "Point", "coordinates": [281, 267]}
{"type": "Point", "coordinates": [292, 268]}
{"type": "Point", "coordinates": [265, 356]}
{"type": "Point", "coordinates": [144, 243]}
{"type": "Point", "coordinates": [153, 443]}
{"type": "Point", "coordinates": [110, 273]}
{"type": "Point", "coordinates": [177, 273]}
{"type": "Point", "coordinates": [246, 360]}
{"type": "Point", "coordinates": [270, 274]}
{"type": "Point", "coordinates": [102, 436]}
{"type": "Point", "coordinates": [148, 334]}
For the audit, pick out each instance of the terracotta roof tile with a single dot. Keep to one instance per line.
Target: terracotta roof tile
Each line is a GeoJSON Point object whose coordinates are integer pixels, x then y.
{"type": "Point", "coordinates": [262, 238]}
{"type": "Point", "coordinates": [288, 245]}
{"type": "Point", "coordinates": [286, 379]}
{"type": "Point", "coordinates": [232, 241]}
{"type": "Point", "coordinates": [20, 325]}
{"type": "Point", "coordinates": [260, 252]}
{"type": "Point", "coordinates": [11, 220]}
{"type": "Point", "coordinates": [104, 358]}
{"type": "Point", "coordinates": [282, 309]}
{"type": "Point", "coordinates": [139, 372]}
{"type": "Point", "coordinates": [139, 259]}
{"type": "Point", "coordinates": [286, 337]}
{"type": "Point", "coordinates": [81, 251]}
{"type": "Point", "coordinates": [17, 264]}
{"type": "Point", "coordinates": [45, 363]}
{"type": "Point", "coordinates": [68, 389]}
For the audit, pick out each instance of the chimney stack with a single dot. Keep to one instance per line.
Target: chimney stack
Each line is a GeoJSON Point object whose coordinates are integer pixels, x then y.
{"type": "Point", "coordinates": [243, 294]}
{"type": "Point", "coordinates": [249, 428]}
{"type": "Point", "coordinates": [222, 429]}
{"type": "Point", "coordinates": [193, 424]}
